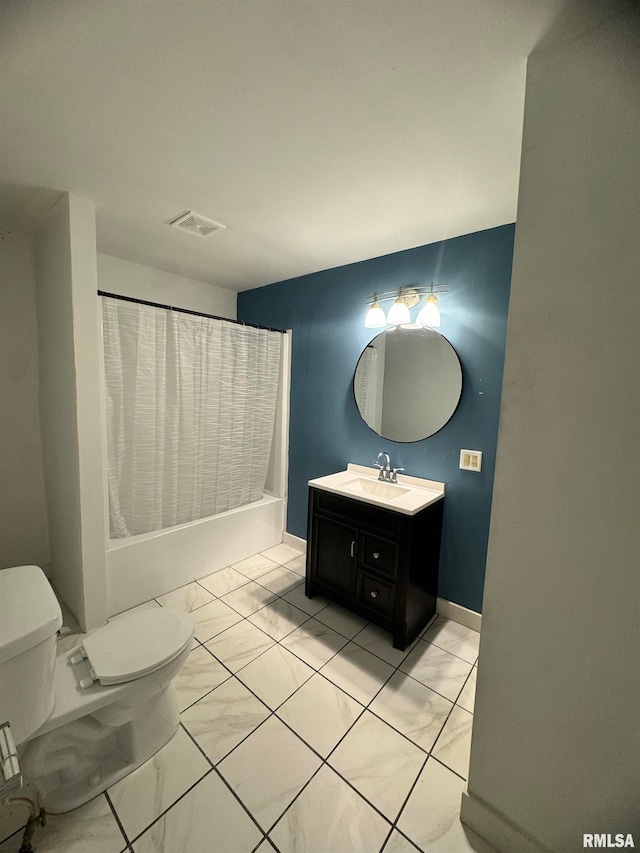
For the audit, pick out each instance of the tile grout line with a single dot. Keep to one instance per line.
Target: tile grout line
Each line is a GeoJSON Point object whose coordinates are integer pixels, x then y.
{"type": "Point", "coordinates": [255, 696]}
{"type": "Point", "coordinates": [394, 823]}
{"type": "Point", "coordinates": [19, 831]}
{"type": "Point", "coordinates": [282, 596]}
{"type": "Point", "coordinates": [279, 641]}
{"type": "Point", "coordinates": [286, 809]}
{"type": "Point", "coordinates": [461, 691]}
{"type": "Point", "coordinates": [429, 753]}
{"type": "Point", "coordinates": [272, 713]}
{"type": "Point", "coordinates": [365, 707]}
{"type": "Point", "coordinates": [453, 705]}
{"type": "Point", "coordinates": [353, 639]}
{"type": "Point", "coordinates": [386, 840]}
{"type": "Point", "coordinates": [325, 761]}
{"type": "Point", "coordinates": [413, 844]}
{"type": "Point", "coordinates": [248, 580]}
{"type": "Point", "coordinates": [195, 743]}
{"type": "Point", "coordinates": [429, 643]}
{"type": "Point", "coordinates": [237, 798]}
{"type": "Point", "coordinates": [220, 597]}
{"type": "Point", "coordinates": [446, 766]}
{"type": "Point", "coordinates": [181, 711]}
{"type": "Point", "coordinates": [164, 812]}
{"type": "Point", "coordinates": [308, 745]}
{"type": "Point", "coordinates": [417, 680]}
{"type": "Point", "coordinates": [397, 731]}
{"type": "Point", "coordinates": [118, 821]}
{"type": "Point", "coordinates": [264, 606]}
{"type": "Point", "coordinates": [209, 761]}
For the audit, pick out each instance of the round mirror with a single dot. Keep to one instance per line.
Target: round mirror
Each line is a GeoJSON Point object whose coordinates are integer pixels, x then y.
{"type": "Point", "coordinates": [407, 383]}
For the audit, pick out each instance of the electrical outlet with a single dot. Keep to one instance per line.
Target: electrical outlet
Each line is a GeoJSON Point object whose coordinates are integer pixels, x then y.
{"type": "Point", "coordinates": [471, 460]}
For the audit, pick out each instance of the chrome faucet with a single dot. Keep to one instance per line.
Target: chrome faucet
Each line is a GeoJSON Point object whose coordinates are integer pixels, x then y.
{"type": "Point", "coordinates": [383, 470]}
{"type": "Point", "coordinates": [387, 473]}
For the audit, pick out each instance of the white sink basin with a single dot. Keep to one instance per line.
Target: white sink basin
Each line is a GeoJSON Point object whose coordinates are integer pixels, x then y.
{"type": "Point", "coordinates": [409, 495]}
{"type": "Point", "coordinates": [390, 491]}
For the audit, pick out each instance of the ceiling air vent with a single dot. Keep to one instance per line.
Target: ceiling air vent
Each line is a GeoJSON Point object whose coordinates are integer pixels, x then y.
{"type": "Point", "coordinates": [196, 224]}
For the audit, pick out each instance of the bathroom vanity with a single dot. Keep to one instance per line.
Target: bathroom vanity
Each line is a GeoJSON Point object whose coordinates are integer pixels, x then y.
{"type": "Point", "coordinates": [374, 547]}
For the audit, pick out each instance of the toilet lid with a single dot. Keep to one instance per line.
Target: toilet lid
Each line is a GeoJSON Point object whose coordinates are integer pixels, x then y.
{"type": "Point", "coordinates": [135, 644]}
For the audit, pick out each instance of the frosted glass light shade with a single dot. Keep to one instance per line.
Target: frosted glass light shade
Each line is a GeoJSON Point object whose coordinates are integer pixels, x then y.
{"type": "Point", "coordinates": [398, 313]}
{"type": "Point", "coordinates": [429, 314]}
{"type": "Point", "coordinates": [375, 318]}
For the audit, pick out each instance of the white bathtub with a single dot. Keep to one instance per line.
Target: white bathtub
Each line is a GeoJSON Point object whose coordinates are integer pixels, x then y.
{"type": "Point", "coordinates": [143, 567]}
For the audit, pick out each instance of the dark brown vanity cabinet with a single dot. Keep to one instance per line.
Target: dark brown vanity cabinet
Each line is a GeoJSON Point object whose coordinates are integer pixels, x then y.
{"type": "Point", "coordinates": [381, 564]}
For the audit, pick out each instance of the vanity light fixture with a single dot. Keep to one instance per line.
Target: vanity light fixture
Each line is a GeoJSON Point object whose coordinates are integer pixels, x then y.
{"type": "Point", "coordinates": [403, 300]}
{"type": "Point", "coordinates": [429, 314]}
{"type": "Point", "coordinates": [376, 318]}
{"type": "Point", "coordinates": [399, 312]}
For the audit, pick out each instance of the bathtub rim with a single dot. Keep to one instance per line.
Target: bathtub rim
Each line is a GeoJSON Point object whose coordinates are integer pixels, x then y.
{"type": "Point", "coordinates": [115, 544]}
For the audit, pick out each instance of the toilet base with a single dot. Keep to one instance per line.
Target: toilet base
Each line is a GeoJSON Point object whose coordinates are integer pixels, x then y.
{"type": "Point", "coordinates": [72, 764]}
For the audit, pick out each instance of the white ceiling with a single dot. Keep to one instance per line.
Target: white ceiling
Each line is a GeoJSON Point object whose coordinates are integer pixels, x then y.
{"type": "Point", "coordinates": [320, 132]}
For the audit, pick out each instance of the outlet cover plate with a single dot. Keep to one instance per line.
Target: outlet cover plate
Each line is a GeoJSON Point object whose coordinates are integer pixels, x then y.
{"type": "Point", "coordinates": [471, 460]}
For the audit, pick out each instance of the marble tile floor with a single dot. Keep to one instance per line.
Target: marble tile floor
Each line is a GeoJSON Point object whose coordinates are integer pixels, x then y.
{"type": "Point", "coordinates": [302, 731]}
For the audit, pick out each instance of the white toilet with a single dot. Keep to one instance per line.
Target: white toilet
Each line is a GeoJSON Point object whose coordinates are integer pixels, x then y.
{"type": "Point", "coordinates": [86, 718]}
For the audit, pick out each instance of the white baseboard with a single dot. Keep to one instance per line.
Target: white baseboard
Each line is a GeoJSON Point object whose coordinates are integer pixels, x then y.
{"type": "Point", "coordinates": [496, 829]}
{"type": "Point", "coordinates": [458, 613]}
{"type": "Point", "coordinates": [295, 541]}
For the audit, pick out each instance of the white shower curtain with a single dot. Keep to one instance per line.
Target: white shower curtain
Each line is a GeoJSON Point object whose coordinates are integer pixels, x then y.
{"type": "Point", "coordinates": [190, 414]}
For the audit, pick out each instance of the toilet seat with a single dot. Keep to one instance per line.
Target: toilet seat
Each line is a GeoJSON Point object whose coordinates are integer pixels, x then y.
{"type": "Point", "coordinates": [136, 644]}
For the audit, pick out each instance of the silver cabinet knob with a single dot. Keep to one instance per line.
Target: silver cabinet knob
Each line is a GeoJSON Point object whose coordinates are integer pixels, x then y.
{"type": "Point", "coordinates": [376, 554]}
{"type": "Point", "coordinates": [374, 593]}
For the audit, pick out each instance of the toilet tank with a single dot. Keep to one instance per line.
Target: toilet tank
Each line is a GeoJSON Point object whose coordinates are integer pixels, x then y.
{"type": "Point", "coordinates": [29, 619]}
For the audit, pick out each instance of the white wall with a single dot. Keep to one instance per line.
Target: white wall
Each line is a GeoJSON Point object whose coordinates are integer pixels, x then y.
{"type": "Point", "coordinates": [140, 282]}
{"type": "Point", "coordinates": [69, 273]}
{"type": "Point", "coordinates": [71, 406]}
{"type": "Point", "coordinates": [555, 737]}
{"type": "Point", "coordinates": [24, 537]}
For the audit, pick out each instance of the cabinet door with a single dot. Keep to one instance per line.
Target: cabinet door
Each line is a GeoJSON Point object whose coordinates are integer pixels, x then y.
{"type": "Point", "coordinates": [335, 555]}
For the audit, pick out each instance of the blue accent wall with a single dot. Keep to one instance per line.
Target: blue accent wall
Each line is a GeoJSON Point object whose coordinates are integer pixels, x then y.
{"type": "Point", "coordinates": [326, 312]}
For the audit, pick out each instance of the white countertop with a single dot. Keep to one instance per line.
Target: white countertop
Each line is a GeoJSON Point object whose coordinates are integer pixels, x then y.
{"type": "Point", "coordinates": [408, 496]}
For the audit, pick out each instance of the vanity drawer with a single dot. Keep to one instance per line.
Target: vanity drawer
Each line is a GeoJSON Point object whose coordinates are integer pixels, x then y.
{"type": "Point", "coordinates": [375, 595]}
{"type": "Point", "coordinates": [357, 512]}
{"type": "Point", "coordinates": [378, 555]}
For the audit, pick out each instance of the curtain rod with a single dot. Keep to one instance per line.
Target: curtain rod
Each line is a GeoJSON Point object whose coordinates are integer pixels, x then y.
{"type": "Point", "coordinates": [188, 311]}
